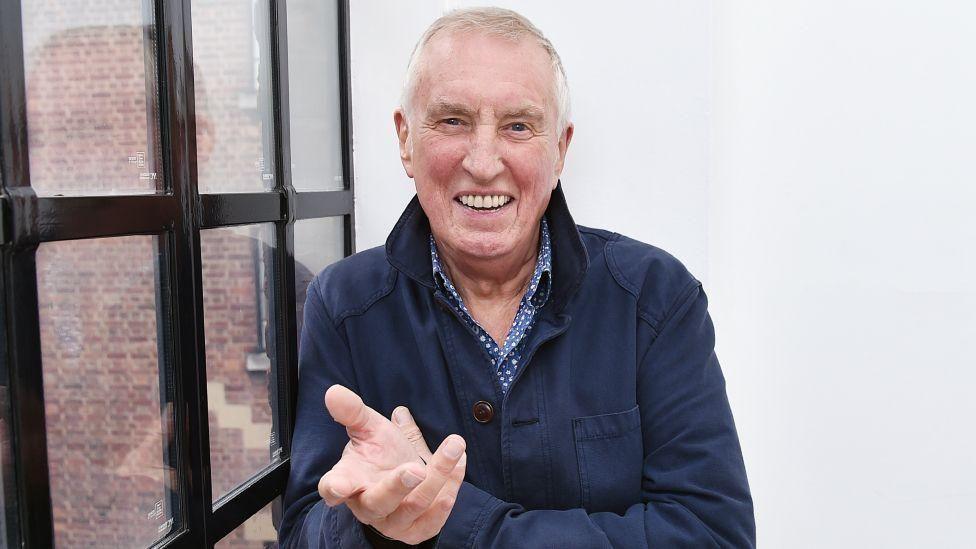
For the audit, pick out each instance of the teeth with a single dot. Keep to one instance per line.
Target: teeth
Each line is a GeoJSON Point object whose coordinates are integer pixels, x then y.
{"type": "Point", "coordinates": [483, 202]}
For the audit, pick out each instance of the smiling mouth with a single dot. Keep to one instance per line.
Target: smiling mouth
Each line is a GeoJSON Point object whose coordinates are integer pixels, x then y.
{"type": "Point", "coordinates": [480, 203]}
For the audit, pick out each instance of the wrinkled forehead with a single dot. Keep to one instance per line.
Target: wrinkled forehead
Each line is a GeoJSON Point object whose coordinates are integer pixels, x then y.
{"type": "Point", "coordinates": [480, 70]}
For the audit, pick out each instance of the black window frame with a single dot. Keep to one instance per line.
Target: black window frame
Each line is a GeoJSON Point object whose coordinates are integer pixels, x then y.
{"type": "Point", "coordinates": [176, 216]}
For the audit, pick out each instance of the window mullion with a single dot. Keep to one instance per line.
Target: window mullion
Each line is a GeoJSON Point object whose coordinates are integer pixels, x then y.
{"type": "Point", "coordinates": [21, 324]}
{"type": "Point", "coordinates": [179, 140]}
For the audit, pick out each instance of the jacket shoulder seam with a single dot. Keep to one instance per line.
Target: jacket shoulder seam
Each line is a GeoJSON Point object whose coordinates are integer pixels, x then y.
{"type": "Point", "coordinates": [596, 232]}
{"type": "Point", "coordinates": [658, 325]}
{"type": "Point", "coordinates": [618, 275]}
{"type": "Point", "coordinates": [369, 301]}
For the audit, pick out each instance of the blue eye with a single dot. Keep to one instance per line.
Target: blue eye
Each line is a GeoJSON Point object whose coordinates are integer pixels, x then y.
{"type": "Point", "coordinates": [452, 121]}
{"type": "Point", "coordinates": [519, 127]}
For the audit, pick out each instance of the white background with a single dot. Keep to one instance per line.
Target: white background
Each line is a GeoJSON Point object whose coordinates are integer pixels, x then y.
{"type": "Point", "coordinates": [812, 163]}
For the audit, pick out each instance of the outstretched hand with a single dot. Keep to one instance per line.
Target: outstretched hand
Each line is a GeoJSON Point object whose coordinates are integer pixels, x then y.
{"type": "Point", "coordinates": [382, 476]}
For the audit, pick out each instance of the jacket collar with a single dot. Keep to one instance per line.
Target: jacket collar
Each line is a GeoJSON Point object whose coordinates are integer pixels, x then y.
{"type": "Point", "coordinates": [408, 247]}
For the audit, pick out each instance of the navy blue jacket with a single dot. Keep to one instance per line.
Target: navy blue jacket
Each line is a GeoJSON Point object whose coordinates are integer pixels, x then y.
{"type": "Point", "coordinates": [615, 433]}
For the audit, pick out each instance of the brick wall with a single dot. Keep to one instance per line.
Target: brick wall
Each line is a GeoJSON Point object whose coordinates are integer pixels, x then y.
{"type": "Point", "coordinates": [92, 131]}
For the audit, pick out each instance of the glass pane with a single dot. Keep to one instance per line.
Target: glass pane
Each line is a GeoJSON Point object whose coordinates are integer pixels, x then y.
{"type": "Point", "coordinates": [108, 412]}
{"type": "Point", "coordinates": [313, 95]}
{"type": "Point", "coordinates": [258, 532]}
{"type": "Point", "coordinates": [240, 379]}
{"type": "Point", "coordinates": [92, 97]}
{"type": "Point", "coordinates": [318, 243]}
{"type": "Point", "coordinates": [8, 494]}
{"type": "Point", "coordinates": [232, 76]}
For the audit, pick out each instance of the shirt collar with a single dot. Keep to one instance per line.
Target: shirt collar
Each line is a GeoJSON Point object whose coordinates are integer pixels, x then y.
{"type": "Point", "coordinates": [539, 284]}
{"type": "Point", "coordinates": [408, 248]}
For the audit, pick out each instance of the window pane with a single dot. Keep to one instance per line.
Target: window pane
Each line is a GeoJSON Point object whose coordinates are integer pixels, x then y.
{"type": "Point", "coordinates": [92, 97]}
{"type": "Point", "coordinates": [313, 95]}
{"type": "Point", "coordinates": [257, 532]}
{"type": "Point", "coordinates": [108, 414]}
{"type": "Point", "coordinates": [240, 378]}
{"type": "Point", "coordinates": [8, 494]}
{"type": "Point", "coordinates": [318, 243]}
{"type": "Point", "coordinates": [231, 59]}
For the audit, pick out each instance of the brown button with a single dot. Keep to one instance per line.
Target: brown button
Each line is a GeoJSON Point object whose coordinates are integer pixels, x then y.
{"type": "Point", "coordinates": [483, 411]}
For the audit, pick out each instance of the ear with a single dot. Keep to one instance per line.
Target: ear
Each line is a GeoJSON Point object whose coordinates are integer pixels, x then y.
{"type": "Point", "coordinates": [403, 134]}
{"type": "Point", "coordinates": [564, 141]}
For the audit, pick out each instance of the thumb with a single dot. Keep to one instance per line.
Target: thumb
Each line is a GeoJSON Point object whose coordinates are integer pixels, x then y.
{"type": "Point", "coordinates": [405, 423]}
{"type": "Point", "coordinates": [348, 410]}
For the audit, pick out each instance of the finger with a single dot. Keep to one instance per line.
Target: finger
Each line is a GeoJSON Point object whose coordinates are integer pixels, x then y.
{"type": "Point", "coordinates": [404, 421]}
{"type": "Point", "coordinates": [439, 470]}
{"type": "Point", "coordinates": [430, 523]}
{"type": "Point", "coordinates": [341, 483]}
{"type": "Point", "coordinates": [348, 409]}
{"type": "Point", "coordinates": [383, 497]}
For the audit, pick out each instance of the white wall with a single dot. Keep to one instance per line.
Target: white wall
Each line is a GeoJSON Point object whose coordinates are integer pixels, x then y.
{"type": "Point", "coordinates": [842, 265]}
{"type": "Point", "coordinates": [811, 163]}
{"type": "Point", "coordinates": [638, 162]}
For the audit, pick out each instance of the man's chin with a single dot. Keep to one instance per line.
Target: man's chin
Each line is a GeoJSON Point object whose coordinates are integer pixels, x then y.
{"type": "Point", "coordinates": [483, 247]}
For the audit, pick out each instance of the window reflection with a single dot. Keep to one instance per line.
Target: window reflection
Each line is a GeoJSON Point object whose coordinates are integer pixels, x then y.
{"type": "Point", "coordinates": [313, 95]}
{"type": "Point", "coordinates": [106, 398]}
{"type": "Point", "coordinates": [257, 532]}
{"type": "Point", "coordinates": [232, 79]}
{"type": "Point", "coordinates": [237, 262]}
{"type": "Point", "coordinates": [92, 97]}
{"type": "Point", "coordinates": [318, 243]}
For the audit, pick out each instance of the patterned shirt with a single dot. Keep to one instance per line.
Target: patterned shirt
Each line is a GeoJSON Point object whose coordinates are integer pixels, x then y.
{"type": "Point", "coordinates": [506, 359]}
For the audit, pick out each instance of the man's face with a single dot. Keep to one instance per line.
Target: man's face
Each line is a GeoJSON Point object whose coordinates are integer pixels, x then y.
{"type": "Point", "coordinates": [483, 122]}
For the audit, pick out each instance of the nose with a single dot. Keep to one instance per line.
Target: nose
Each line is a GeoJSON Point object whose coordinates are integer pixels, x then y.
{"type": "Point", "coordinates": [483, 161]}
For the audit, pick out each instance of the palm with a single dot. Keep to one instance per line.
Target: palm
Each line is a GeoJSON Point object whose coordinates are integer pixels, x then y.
{"type": "Point", "coordinates": [380, 450]}
{"type": "Point", "coordinates": [375, 445]}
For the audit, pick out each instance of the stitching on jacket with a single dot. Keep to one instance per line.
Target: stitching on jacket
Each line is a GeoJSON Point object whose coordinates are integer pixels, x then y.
{"type": "Point", "coordinates": [543, 421]}
{"type": "Point", "coordinates": [599, 233]}
{"type": "Point", "coordinates": [692, 513]}
{"type": "Point", "coordinates": [317, 289]}
{"type": "Point", "coordinates": [684, 297]}
{"type": "Point", "coordinates": [335, 528]}
{"type": "Point", "coordinates": [618, 275]}
{"type": "Point", "coordinates": [651, 322]}
{"type": "Point", "coordinates": [691, 287]}
{"type": "Point", "coordinates": [373, 298]}
{"type": "Point", "coordinates": [584, 468]}
{"type": "Point", "coordinates": [609, 434]}
{"type": "Point", "coordinates": [480, 520]}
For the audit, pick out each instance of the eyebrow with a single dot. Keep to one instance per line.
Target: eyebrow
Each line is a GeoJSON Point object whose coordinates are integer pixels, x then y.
{"type": "Point", "coordinates": [529, 112]}
{"type": "Point", "coordinates": [443, 107]}
{"type": "Point", "coordinates": [440, 108]}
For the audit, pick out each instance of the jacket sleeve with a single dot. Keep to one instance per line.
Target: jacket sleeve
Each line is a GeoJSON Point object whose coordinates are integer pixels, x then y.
{"type": "Point", "coordinates": [694, 489]}
{"type": "Point", "coordinates": [318, 441]}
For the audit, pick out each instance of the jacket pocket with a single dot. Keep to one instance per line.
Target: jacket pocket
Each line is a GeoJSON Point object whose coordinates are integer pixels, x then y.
{"type": "Point", "coordinates": [610, 454]}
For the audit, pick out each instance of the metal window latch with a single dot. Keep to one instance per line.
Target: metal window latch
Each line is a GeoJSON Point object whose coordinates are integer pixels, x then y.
{"type": "Point", "coordinates": [20, 227]}
{"type": "Point", "coordinates": [289, 204]}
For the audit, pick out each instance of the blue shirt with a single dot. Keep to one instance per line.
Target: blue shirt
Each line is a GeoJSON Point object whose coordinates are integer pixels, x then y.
{"type": "Point", "coordinates": [505, 359]}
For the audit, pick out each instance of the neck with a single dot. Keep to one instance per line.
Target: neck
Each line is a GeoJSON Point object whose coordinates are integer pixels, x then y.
{"type": "Point", "coordinates": [496, 279]}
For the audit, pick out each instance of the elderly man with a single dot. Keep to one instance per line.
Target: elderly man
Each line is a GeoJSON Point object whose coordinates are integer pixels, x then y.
{"type": "Point", "coordinates": [567, 372]}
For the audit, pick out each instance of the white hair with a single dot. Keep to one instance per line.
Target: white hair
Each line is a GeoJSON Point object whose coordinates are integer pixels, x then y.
{"type": "Point", "coordinates": [492, 21]}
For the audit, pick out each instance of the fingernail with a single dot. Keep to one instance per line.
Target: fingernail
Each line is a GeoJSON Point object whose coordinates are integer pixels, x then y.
{"type": "Point", "coordinates": [454, 448]}
{"type": "Point", "coordinates": [410, 479]}
{"type": "Point", "coordinates": [401, 416]}
{"type": "Point", "coordinates": [335, 493]}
